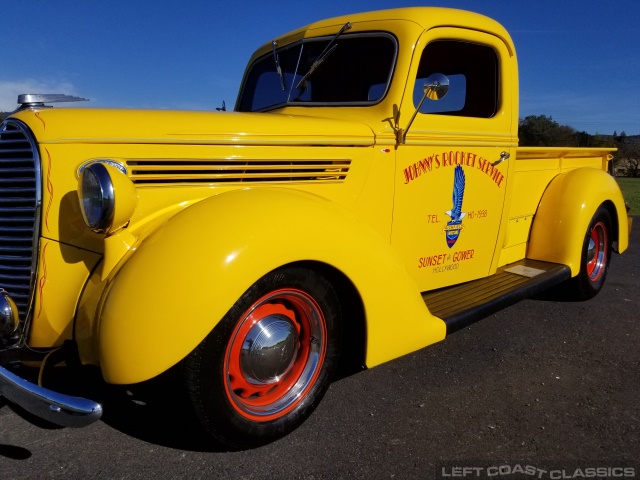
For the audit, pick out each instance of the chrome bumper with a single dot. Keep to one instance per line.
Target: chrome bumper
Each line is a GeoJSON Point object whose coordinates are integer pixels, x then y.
{"type": "Point", "coordinates": [57, 408]}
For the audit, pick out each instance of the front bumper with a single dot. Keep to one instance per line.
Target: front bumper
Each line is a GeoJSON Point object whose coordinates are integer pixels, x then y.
{"type": "Point", "coordinates": [57, 408]}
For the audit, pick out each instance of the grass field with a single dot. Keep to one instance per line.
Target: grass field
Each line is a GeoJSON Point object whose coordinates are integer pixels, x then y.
{"type": "Point", "coordinates": [631, 191]}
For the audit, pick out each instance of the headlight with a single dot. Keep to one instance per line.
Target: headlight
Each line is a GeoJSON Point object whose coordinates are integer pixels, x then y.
{"type": "Point", "coordinates": [107, 197]}
{"type": "Point", "coordinates": [96, 197]}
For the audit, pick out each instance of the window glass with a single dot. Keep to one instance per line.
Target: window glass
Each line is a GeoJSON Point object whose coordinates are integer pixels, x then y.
{"type": "Point", "coordinates": [472, 70]}
{"type": "Point", "coordinates": [357, 70]}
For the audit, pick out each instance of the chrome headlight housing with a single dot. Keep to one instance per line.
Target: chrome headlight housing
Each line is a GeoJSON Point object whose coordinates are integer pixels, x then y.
{"type": "Point", "coordinates": [107, 197]}
{"type": "Point", "coordinates": [97, 199]}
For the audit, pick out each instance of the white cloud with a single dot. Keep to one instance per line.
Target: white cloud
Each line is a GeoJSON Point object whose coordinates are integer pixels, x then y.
{"type": "Point", "coordinates": [9, 90]}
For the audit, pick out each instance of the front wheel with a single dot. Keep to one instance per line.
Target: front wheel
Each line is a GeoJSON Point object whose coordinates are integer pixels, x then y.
{"type": "Point", "coordinates": [596, 255]}
{"type": "Point", "coordinates": [264, 368]}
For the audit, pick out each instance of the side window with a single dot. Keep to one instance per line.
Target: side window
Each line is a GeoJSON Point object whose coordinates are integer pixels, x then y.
{"type": "Point", "coordinates": [473, 75]}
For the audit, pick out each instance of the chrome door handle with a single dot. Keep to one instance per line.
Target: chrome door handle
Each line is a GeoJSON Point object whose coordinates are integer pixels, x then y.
{"type": "Point", "coordinates": [503, 156]}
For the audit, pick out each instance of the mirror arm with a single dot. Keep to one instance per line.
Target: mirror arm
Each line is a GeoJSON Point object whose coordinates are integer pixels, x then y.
{"type": "Point", "coordinates": [402, 134]}
{"type": "Point", "coordinates": [436, 89]}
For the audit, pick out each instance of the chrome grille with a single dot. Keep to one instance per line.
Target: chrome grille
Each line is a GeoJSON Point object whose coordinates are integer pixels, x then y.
{"type": "Point", "coordinates": [19, 211]}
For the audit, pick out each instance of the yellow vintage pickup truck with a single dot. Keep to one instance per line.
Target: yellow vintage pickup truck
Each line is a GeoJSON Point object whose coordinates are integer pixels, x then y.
{"type": "Point", "coordinates": [366, 197]}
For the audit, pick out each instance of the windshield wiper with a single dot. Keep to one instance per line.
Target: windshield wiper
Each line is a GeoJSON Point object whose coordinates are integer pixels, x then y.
{"type": "Point", "coordinates": [278, 69]}
{"type": "Point", "coordinates": [328, 50]}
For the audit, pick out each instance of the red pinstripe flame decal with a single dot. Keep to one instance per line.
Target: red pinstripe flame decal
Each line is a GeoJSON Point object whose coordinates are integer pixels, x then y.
{"type": "Point", "coordinates": [44, 125]}
{"type": "Point", "coordinates": [43, 278]}
{"type": "Point", "coordinates": [50, 190]}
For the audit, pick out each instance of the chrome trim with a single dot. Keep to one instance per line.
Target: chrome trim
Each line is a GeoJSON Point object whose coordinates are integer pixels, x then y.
{"type": "Point", "coordinates": [310, 313]}
{"type": "Point", "coordinates": [38, 100]}
{"type": "Point", "coordinates": [107, 161]}
{"type": "Point", "coordinates": [9, 318]}
{"type": "Point", "coordinates": [503, 156]}
{"type": "Point", "coordinates": [269, 349]}
{"type": "Point", "coordinates": [10, 126]}
{"type": "Point", "coordinates": [57, 408]}
{"type": "Point", "coordinates": [597, 250]}
{"type": "Point", "coordinates": [104, 219]}
{"type": "Point", "coordinates": [223, 170]}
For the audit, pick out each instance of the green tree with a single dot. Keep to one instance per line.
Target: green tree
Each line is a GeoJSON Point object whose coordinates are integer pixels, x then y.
{"type": "Point", "coordinates": [601, 141]}
{"type": "Point", "coordinates": [628, 158]}
{"type": "Point", "coordinates": [587, 140]}
{"type": "Point", "coordinates": [543, 131]}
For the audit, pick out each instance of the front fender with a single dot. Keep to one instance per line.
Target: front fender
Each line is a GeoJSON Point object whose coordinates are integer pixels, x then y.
{"type": "Point", "coordinates": [565, 211]}
{"type": "Point", "coordinates": [185, 276]}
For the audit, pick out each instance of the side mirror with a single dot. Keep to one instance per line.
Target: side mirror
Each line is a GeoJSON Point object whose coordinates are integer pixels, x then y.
{"type": "Point", "coordinates": [435, 88]}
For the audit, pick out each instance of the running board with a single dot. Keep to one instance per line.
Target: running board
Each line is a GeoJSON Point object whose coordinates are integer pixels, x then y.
{"type": "Point", "coordinates": [461, 305]}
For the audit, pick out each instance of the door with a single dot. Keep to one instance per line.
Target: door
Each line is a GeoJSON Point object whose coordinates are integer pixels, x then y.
{"type": "Point", "coordinates": [452, 171]}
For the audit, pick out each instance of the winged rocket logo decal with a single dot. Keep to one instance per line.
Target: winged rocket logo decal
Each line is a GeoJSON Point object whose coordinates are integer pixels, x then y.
{"type": "Point", "coordinates": [456, 214]}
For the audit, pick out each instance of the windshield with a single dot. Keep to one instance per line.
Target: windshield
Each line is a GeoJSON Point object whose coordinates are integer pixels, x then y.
{"type": "Point", "coordinates": [356, 71]}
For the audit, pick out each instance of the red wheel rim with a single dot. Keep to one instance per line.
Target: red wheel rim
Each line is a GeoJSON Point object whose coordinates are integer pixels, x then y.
{"type": "Point", "coordinates": [274, 355]}
{"type": "Point", "coordinates": [597, 252]}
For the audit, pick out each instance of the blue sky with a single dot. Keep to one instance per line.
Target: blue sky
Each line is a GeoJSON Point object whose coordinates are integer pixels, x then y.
{"type": "Point", "coordinates": [579, 59]}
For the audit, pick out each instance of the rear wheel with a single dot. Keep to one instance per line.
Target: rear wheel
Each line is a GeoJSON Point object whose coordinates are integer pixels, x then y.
{"type": "Point", "coordinates": [264, 368]}
{"type": "Point", "coordinates": [596, 255]}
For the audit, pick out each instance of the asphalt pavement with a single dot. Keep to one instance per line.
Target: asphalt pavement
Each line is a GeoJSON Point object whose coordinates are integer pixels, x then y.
{"type": "Point", "coordinates": [544, 385]}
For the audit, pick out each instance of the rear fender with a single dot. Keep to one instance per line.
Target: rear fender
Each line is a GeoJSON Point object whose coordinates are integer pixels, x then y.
{"type": "Point", "coordinates": [184, 277]}
{"type": "Point", "coordinates": [565, 211]}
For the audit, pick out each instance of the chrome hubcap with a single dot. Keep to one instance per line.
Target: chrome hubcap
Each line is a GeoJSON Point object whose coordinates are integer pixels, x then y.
{"type": "Point", "coordinates": [591, 250]}
{"type": "Point", "coordinates": [597, 252]}
{"type": "Point", "coordinates": [275, 354]}
{"type": "Point", "coordinates": [268, 350]}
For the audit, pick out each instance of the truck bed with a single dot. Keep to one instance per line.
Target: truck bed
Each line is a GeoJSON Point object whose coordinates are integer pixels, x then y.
{"type": "Point", "coordinates": [535, 168]}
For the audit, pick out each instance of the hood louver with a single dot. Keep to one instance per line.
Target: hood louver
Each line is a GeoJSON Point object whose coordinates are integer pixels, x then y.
{"type": "Point", "coordinates": [172, 171]}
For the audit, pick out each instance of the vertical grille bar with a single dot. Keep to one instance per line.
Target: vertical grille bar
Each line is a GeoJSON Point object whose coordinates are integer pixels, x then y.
{"type": "Point", "coordinates": [20, 200]}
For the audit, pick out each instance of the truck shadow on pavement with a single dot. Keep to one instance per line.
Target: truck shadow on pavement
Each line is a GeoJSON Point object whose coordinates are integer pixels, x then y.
{"type": "Point", "coordinates": [156, 411]}
{"type": "Point", "coordinates": [12, 452]}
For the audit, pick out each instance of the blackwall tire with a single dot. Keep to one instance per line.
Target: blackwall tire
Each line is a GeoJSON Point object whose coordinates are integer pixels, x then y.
{"type": "Point", "coordinates": [265, 367]}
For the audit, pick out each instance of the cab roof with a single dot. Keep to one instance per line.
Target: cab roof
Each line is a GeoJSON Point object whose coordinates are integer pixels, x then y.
{"type": "Point", "coordinates": [424, 17]}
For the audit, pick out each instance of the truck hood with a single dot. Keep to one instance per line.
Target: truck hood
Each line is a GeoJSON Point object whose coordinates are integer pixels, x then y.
{"type": "Point", "coordinates": [79, 125]}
